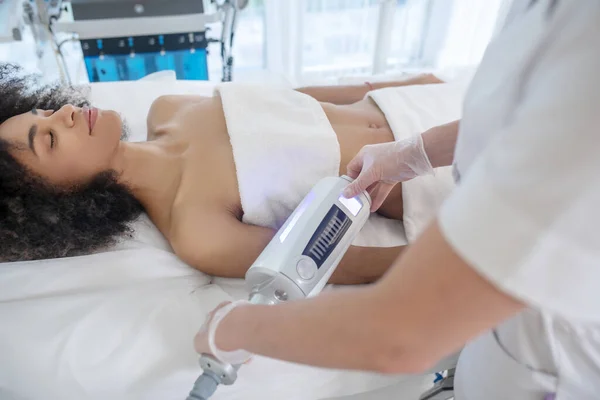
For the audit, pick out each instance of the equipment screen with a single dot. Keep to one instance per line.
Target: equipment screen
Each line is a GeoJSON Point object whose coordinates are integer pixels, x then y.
{"type": "Point", "coordinates": [354, 205]}
{"type": "Point", "coordinates": [327, 235]}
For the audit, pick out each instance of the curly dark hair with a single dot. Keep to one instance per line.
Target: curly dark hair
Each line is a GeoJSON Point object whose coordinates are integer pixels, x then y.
{"type": "Point", "coordinates": [39, 220]}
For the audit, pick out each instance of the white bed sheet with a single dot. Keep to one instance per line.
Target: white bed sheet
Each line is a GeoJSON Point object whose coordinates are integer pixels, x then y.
{"type": "Point", "coordinates": [119, 324]}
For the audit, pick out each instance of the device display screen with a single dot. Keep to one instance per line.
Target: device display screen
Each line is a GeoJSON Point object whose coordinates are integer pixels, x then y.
{"type": "Point", "coordinates": [354, 205]}
{"type": "Point", "coordinates": [327, 236]}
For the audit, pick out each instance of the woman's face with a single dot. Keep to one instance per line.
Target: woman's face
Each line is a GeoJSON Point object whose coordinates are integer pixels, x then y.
{"type": "Point", "coordinates": [68, 146]}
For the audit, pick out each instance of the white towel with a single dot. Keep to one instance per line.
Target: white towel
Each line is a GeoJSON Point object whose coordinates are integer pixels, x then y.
{"type": "Point", "coordinates": [283, 144]}
{"type": "Point", "coordinates": [411, 110]}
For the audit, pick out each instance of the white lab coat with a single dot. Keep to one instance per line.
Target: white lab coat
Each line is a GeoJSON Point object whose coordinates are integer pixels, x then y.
{"type": "Point", "coordinates": [526, 212]}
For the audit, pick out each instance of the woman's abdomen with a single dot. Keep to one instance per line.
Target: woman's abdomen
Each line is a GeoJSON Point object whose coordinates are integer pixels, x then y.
{"type": "Point", "coordinates": [356, 126]}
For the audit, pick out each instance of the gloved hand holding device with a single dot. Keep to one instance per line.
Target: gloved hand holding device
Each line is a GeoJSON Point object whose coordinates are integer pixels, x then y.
{"type": "Point", "coordinates": [378, 168]}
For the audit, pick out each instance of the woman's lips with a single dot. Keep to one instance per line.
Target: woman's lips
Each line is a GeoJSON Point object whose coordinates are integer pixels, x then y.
{"type": "Point", "coordinates": [92, 118]}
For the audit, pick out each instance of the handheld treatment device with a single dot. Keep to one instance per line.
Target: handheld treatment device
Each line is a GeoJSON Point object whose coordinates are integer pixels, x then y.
{"type": "Point", "coordinates": [298, 261]}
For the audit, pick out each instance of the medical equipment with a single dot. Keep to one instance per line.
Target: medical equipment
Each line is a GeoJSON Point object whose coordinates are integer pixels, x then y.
{"type": "Point", "coordinates": [11, 20]}
{"type": "Point", "coordinates": [443, 388]}
{"type": "Point", "coordinates": [129, 39]}
{"type": "Point", "coordinates": [298, 261]}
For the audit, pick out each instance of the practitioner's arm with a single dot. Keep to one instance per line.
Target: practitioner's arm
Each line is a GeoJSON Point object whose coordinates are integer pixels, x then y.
{"type": "Point", "coordinates": [429, 304]}
{"type": "Point", "coordinates": [439, 143]}
{"type": "Point", "coordinates": [350, 94]}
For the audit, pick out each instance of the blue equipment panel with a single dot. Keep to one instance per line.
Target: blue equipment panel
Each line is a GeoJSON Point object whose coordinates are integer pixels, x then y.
{"type": "Point", "coordinates": [131, 58]}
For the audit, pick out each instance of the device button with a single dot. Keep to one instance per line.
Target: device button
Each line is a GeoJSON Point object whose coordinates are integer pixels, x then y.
{"type": "Point", "coordinates": [306, 268]}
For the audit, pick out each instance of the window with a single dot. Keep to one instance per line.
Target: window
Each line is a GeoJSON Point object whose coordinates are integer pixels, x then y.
{"type": "Point", "coordinates": [338, 37]}
{"type": "Point", "coordinates": [407, 33]}
{"type": "Point", "coordinates": [315, 41]}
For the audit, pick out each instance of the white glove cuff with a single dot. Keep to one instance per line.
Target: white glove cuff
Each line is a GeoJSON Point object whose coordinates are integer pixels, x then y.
{"type": "Point", "coordinates": [228, 357]}
{"type": "Point", "coordinates": [417, 159]}
{"type": "Point", "coordinates": [425, 167]}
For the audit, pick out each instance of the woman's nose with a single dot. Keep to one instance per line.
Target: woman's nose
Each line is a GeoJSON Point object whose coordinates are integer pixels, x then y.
{"type": "Point", "coordinates": [67, 115]}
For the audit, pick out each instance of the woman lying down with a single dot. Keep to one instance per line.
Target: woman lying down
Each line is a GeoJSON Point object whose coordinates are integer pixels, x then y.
{"type": "Point", "coordinates": [217, 175]}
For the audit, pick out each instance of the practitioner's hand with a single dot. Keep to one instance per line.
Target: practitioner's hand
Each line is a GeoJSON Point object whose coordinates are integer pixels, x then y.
{"type": "Point", "coordinates": [378, 168]}
{"type": "Point", "coordinates": [203, 337]}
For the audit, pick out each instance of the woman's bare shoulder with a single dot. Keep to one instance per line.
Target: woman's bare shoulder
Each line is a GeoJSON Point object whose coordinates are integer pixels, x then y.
{"type": "Point", "coordinates": [165, 108]}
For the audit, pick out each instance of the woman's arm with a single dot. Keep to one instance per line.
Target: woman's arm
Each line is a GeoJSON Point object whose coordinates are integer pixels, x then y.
{"type": "Point", "coordinates": [365, 264]}
{"type": "Point", "coordinates": [350, 94]}
{"type": "Point", "coordinates": [428, 305]}
{"type": "Point", "coordinates": [223, 246]}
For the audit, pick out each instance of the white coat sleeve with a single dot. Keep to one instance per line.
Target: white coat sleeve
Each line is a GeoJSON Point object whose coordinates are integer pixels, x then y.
{"type": "Point", "coordinates": [526, 214]}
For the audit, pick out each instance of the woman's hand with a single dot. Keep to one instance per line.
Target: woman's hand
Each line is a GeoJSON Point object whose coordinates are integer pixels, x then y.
{"type": "Point", "coordinates": [378, 168]}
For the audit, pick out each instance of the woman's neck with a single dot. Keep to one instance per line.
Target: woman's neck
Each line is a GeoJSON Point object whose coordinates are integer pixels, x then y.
{"type": "Point", "coordinates": [152, 172]}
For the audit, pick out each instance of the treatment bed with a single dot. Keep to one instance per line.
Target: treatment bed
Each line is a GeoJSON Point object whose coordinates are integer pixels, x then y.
{"type": "Point", "coordinates": [119, 324]}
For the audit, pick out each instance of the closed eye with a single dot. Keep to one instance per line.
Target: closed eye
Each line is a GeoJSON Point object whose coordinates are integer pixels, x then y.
{"type": "Point", "coordinates": [51, 140]}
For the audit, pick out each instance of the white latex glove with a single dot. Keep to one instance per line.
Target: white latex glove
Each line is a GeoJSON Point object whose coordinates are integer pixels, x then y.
{"type": "Point", "coordinates": [378, 168]}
